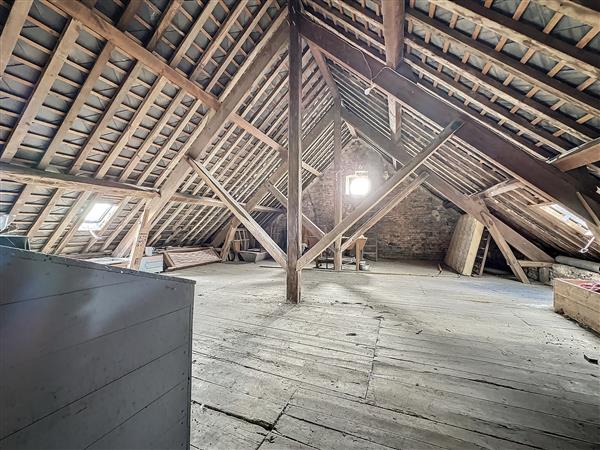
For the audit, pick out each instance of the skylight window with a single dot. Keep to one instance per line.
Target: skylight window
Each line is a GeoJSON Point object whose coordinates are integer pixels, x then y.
{"type": "Point", "coordinates": [98, 216]}
{"type": "Point", "coordinates": [358, 185]}
{"type": "Point", "coordinates": [573, 221]}
{"type": "Point", "coordinates": [568, 218]}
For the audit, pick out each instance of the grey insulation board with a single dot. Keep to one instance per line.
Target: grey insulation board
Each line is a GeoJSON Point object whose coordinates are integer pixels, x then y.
{"type": "Point", "coordinates": [92, 356]}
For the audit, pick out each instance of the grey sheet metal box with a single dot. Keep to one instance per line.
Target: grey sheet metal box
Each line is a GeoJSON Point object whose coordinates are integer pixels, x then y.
{"type": "Point", "coordinates": [92, 356]}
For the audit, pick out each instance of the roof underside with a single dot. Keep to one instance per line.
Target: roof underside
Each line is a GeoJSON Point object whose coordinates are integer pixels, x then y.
{"type": "Point", "coordinates": [74, 103]}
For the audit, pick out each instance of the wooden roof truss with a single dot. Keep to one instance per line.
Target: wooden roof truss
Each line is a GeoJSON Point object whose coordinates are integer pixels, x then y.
{"type": "Point", "coordinates": [105, 100]}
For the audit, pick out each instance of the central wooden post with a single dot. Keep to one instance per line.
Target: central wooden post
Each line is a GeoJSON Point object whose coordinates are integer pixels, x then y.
{"type": "Point", "coordinates": [337, 201]}
{"type": "Point", "coordinates": [294, 210]}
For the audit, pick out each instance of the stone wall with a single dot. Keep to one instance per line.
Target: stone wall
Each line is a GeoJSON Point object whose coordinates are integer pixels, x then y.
{"type": "Point", "coordinates": [420, 227]}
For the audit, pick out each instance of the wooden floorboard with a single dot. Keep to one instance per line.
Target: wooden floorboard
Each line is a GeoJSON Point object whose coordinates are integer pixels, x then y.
{"type": "Point", "coordinates": [401, 358]}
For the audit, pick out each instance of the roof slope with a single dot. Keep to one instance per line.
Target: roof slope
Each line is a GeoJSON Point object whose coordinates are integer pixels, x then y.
{"type": "Point", "coordinates": [123, 90]}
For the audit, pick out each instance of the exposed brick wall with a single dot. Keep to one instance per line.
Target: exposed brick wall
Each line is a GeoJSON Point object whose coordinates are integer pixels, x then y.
{"type": "Point", "coordinates": [420, 227]}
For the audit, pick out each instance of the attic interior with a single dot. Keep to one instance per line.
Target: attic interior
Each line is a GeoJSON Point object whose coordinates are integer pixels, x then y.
{"type": "Point", "coordinates": [299, 224]}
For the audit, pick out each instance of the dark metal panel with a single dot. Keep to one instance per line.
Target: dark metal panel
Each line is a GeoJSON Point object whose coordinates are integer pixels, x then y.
{"type": "Point", "coordinates": [104, 356]}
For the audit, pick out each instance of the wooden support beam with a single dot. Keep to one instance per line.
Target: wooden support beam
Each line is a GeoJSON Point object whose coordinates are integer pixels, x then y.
{"type": "Point", "coordinates": [243, 216]}
{"type": "Point", "coordinates": [508, 254]}
{"type": "Point", "coordinates": [12, 30]}
{"type": "Point", "coordinates": [263, 137]}
{"type": "Point", "coordinates": [142, 228]}
{"type": "Point", "coordinates": [393, 32]}
{"type": "Point", "coordinates": [376, 196]}
{"type": "Point", "coordinates": [393, 35]}
{"type": "Point", "coordinates": [511, 65]}
{"type": "Point", "coordinates": [525, 263]}
{"type": "Point", "coordinates": [501, 188]}
{"type": "Point", "coordinates": [228, 231]}
{"type": "Point", "coordinates": [588, 153]}
{"type": "Point", "coordinates": [528, 35]}
{"type": "Point", "coordinates": [445, 189]}
{"type": "Point", "coordinates": [325, 72]}
{"type": "Point", "coordinates": [537, 174]}
{"type": "Point", "coordinates": [26, 175]}
{"type": "Point", "coordinates": [306, 222]}
{"type": "Point", "coordinates": [99, 26]}
{"type": "Point", "coordinates": [163, 24]}
{"type": "Point", "coordinates": [359, 245]}
{"type": "Point", "coordinates": [338, 204]}
{"type": "Point", "coordinates": [214, 203]}
{"type": "Point", "coordinates": [389, 205]}
{"type": "Point", "coordinates": [294, 207]}
{"type": "Point", "coordinates": [212, 125]}
{"type": "Point", "coordinates": [41, 89]}
{"type": "Point", "coordinates": [129, 14]}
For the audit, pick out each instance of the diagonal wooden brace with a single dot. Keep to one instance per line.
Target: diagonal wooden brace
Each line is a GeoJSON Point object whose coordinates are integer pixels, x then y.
{"type": "Point", "coordinates": [240, 213]}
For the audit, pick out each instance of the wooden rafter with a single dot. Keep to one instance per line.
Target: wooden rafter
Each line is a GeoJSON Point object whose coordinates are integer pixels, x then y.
{"type": "Point", "coordinates": [536, 173]}
{"type": "Point", "coordinates": [578, 157]}
{"type": "Point", "coordinates": [228, 231]}
{"type": "Point", "coordinates": [379, 194]}
{"type": "Point", "coordinates": [445, 189]}
{"type": "Point", "coordinates": [393, 33]}
{"type": "Point", "coordinates": [11, 31]}
{"type": "Point", "coordinates": [306, 222]}
{"type": "Point", "coordinates": [525, 34]}
{"type": "Point", "coordinates": [514, 68]}
{"type": "Point", "coordinates": [213, 124]}
{"type": "Point", "coordinates": [42, 87]}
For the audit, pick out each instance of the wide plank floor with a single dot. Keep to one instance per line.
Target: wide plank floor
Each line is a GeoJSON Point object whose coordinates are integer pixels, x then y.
{"type": "Point", "coordinates": [382, 360]}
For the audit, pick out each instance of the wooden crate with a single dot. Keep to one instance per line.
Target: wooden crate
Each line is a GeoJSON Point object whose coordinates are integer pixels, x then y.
{"type": "Point", "coordinates": [574, 300]}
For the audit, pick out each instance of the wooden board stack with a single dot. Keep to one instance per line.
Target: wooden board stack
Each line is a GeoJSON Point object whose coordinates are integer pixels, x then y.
{"type": "Point", "coordinates": [180, 259]}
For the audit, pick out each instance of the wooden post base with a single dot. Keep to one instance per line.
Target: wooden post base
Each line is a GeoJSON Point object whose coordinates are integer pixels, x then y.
{"type": "Point", "coordinates": [294, 286]}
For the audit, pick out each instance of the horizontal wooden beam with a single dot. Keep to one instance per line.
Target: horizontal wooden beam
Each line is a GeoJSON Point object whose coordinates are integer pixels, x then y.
{"type": "Point", "coordinates": [242, 215]}
{"type": "Point", "coordinates": [36, 177]}
{"type": "Point", "coordinates": [181, 197]}
{"type": "Point", "coordinates": [588, 153]}
{"type": "Point", "coordinates": [538, 174]}
{"type": "Point", "coordinates": [29, 176]}
{"type": "Point", "coordinates": [525, 263]}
